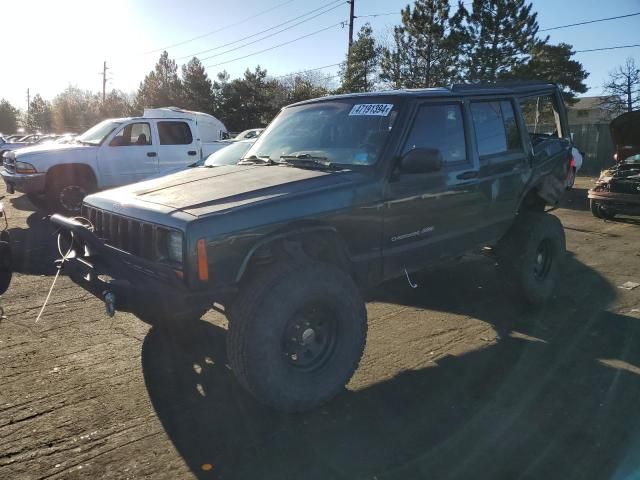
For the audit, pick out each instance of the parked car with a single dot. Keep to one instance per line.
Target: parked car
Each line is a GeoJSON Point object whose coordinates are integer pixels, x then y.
{"type": "Point", "coordinates": [339, 193]}
{"type": "Point", "coordinates": [6, 260]}
{"type": "Point", "coordinates": [114, 152]}
{"type": "Point", "coordinates": [617, 190]}
{"type": "Point", "coordinates": [625, 135]}
{"type": "Point", "coordinates": [249, 134]}
{"type": "Point", "coordinates": [229, 155]}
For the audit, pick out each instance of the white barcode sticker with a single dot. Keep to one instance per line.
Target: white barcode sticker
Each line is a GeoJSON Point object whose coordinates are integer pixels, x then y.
{"type": "Point", "coordinates": [378, 109]}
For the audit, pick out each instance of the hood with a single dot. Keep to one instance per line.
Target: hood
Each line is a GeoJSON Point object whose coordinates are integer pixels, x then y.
{"type": "Point", "coordinates": [625, 129]}
{"type": "Point", "coordinates": [202, 191]}
{"type": "Point", "coordinates": [50, 148]}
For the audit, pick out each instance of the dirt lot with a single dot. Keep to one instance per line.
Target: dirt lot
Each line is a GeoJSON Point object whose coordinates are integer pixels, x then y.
{"type": "Point", "coordinates": [458, 380]}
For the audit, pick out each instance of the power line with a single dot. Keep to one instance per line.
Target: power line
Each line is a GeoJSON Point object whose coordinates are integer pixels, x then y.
{"type": "Point", "coordinates": [277, 46]}
{"type": "Point", "coordinates": [268, 36]}
{"type": "Point", "coordinates": [607, 48]}
{"type": "Point", "coordinates": [221, 28]}
{"type": "Point", "coordinates": [589, 21]}
{"type": "Point", "coordinates": [271, 28]}
{"type": "Point", "coordinates": [310, 70]}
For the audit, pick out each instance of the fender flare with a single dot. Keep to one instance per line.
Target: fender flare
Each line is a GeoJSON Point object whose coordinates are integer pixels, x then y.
{"type": "Point", "coordinates": [289, 233]}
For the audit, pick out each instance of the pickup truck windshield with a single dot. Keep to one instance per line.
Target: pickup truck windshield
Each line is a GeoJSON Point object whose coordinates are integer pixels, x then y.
{"type": "Point", "coordinates": [95, 135]}
{"type": "Point", "coordinates": [346, 131]}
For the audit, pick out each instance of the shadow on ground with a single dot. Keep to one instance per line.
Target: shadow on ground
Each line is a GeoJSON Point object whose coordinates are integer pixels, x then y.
{"type": "Point", "coordinates": [34, 248]}
{"type": "Point", "coordinates": [555, 397]}
{"type": "Point", "coordinates": [575, 199]}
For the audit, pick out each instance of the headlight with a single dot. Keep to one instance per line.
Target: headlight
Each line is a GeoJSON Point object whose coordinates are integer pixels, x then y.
{"type": "Point", "coordinates": [174, 246]}
{"type": "Point", "coordinates": [24, 167]}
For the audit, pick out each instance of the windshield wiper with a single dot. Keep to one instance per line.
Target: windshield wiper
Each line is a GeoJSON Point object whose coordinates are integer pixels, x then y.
{"type": "Point", "coordinates": [306, 160]}
{"type": "Point", "coordinates": [253, 159]}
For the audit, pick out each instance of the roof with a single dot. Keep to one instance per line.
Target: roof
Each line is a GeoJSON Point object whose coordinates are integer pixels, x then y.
{"type": "Point", "coordinates": [506, 88]}
{"type": "Point", "coordinates": [587, 103]}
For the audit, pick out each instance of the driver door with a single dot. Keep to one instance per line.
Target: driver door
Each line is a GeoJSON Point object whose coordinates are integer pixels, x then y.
{"type": "Point", "coordinates": [130, 155]}
{"type": "Point", "coordinates": [431, 215]}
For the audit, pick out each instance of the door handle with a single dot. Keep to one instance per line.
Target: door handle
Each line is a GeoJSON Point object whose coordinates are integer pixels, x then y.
{"type": "Point", "coordinates": [467, 175]}
{"type": "Point", "coordinates": [151, 154]}
{"type": "Point", "coordinates": [192, 152]}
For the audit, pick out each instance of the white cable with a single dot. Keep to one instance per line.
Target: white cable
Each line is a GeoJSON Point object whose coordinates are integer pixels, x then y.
{"type": "Point", "coordinates": [63, 258]}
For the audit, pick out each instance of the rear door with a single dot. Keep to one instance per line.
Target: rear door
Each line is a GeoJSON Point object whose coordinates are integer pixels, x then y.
{"type": "Point", "coordinates": [129, 156]}
{"type": "Point", "coordinates": [178, 145]}
{"type": "Point", "coordinates": [432, 215]}
{"type": "Point", "coordinates": [504, 162]}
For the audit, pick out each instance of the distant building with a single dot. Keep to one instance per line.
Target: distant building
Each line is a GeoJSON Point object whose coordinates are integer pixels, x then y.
{"type": "Point", "coordinates": [588, 111]}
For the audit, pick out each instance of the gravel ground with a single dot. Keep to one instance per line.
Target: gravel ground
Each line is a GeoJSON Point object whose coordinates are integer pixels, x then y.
{"type": "Point", "coordinates": [459, 380]}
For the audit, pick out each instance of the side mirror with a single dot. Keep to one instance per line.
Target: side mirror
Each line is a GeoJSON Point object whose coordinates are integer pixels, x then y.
{"type": "Point", "coordinates": [421, 160]}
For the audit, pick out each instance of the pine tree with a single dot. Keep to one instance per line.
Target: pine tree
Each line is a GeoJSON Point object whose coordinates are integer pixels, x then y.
{"type": "Point", "coordinates": [424, 53]}
{"type": "Point", "coordinates": [499, 36]}
{"type": "Point", "coordinates": [8, 117]}
{"type": "Point", "coordinates": [359, 70]}
{"type": "Point", "coordinates": [161, 87]}
{"type": "Point", "coordinates": [553, 63]}
{"type": "Point", "coordinates": [197, 88]}
{"type": "Point", "coordinates": [39, 118]}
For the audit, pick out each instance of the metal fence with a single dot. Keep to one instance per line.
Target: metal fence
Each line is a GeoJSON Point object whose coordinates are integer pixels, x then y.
{"type": "Point", "coordinates": [595, 141]}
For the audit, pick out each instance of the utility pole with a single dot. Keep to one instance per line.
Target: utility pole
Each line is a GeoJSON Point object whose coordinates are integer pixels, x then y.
{"type": "Point", "coordinates": [28, 106]}
{"type": "Point", "coordinates": [104, 79]}
{"type": "Point", "coordinates": [351, 17]}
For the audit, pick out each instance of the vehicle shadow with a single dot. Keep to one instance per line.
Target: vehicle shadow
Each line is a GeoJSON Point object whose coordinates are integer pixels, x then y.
{"type": "Point", "coordinates": [575, 199]}
{"type": "Point", "coordinates": [22, 202]}
{"type": "Point", "coordinates": [34, 248]}
{"type": "Point", "coordinates": [554, 397]}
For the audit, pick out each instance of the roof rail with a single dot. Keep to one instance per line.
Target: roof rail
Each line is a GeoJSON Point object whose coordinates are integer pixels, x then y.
{"type": "Point", "coordinates": [512, 84]}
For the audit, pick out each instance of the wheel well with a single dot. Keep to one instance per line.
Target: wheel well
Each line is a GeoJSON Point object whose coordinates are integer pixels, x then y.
{"type": "Point", "coordinates": [532, 202]}
{"type": "Point", "coordinates": [72, 172]}
{"type": "Point", "coordinates": [323, 245]}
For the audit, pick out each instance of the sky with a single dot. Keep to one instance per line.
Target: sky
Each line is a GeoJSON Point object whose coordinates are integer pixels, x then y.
{"type": "Point", "coordinates": [48, 45]}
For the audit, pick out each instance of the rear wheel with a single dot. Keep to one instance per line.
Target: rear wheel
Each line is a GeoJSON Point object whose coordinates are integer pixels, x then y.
{"type": "Point", "coordinates": [296, 334]}
{"type": "Point", "coordinates": [571, 179]}
{"type": "Point", "coordinates": [531, 254]}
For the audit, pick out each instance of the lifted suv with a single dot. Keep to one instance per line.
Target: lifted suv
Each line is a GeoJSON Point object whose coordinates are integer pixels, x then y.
{"type": "Point", "coordinates": [339, 193]}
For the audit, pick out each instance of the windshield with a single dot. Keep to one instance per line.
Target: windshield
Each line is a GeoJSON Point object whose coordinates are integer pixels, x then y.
{"type": "Point", "coordinates": [350, 131]}
{"type": "Point", "coordinates": [96, 135]}
{"type": "Point", "coordinates": [229, 155]}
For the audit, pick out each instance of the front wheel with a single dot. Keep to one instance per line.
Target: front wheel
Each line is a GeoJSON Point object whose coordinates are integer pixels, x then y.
{"type": "Point", "coordinates": [598, 211]}
{"type": "Point", "coordinates": [571, 179]}
{"type": "Point", "coordinates": [296, 334]}
{"type": "Point", "coordinates": [65, 193]}
{"type": "Point", "coordinates": [531, 254]}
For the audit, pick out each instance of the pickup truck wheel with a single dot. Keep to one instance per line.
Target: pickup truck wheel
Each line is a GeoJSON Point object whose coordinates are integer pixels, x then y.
{"type": "Point", "coordinates": [65, 195]}
{"type": "Point", "coordinates": [297, 334]}
{"type": "Point", "coordinates": [531, 254]}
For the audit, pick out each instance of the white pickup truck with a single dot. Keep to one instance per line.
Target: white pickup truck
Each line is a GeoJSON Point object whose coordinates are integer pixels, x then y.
{"type": "Point", "coordinates": [115, 152]}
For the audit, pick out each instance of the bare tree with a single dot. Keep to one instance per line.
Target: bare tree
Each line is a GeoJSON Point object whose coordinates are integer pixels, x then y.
{"type": "Point", "coordinates": [623, 88]}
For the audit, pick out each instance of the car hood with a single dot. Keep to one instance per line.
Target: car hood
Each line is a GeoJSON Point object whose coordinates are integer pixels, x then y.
{"type": "Point", "coordinates": [204, 191]}
{"type": "Point", "coordinates": [58, 147]}
{"type": "Point", "coordinates": [625, 129]}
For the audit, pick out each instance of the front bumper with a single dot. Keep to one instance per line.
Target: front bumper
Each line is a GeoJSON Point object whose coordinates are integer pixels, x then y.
{"type": "Point", "coordinates": [138, 285]}
{"type": "Point", "coordinates": [22, 182]}
{"type": "Point", "coordinates": [620, 202]}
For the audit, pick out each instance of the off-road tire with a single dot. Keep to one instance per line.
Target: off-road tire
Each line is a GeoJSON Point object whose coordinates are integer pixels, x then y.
{"type": "Point", "coordinates": [599, 212]}
{"type": "Point", "coordinates": [269, 307]}
{"type": "Point", "coordinates": [531, 254]}
{"type": "Point", "coordinates": [63, 188]}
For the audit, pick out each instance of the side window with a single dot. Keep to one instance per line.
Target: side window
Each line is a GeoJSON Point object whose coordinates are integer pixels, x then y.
{"type": "Point", "coordinates": [540, 116]}
{"type": "Point", "coordinates": [174, 133]}
{"type": "Point", "coordinates": [134, 134]}
{"type": "Point", "coordinates": [495, 127]}
{"type": "Point", "coordinates": [439, 127]}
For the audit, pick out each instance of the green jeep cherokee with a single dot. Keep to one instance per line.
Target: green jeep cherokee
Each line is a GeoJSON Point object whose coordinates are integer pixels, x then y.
{"type": "Point", "coordinates": [339, 193]}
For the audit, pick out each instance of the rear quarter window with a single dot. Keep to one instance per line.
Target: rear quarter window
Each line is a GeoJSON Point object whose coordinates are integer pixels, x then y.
{"type": "Point", "coordinates": [174, 133]}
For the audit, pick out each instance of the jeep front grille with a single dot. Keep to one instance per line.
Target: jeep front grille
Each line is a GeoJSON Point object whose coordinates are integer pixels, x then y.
{"type": "Point", "coordinates": [142, 239]}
